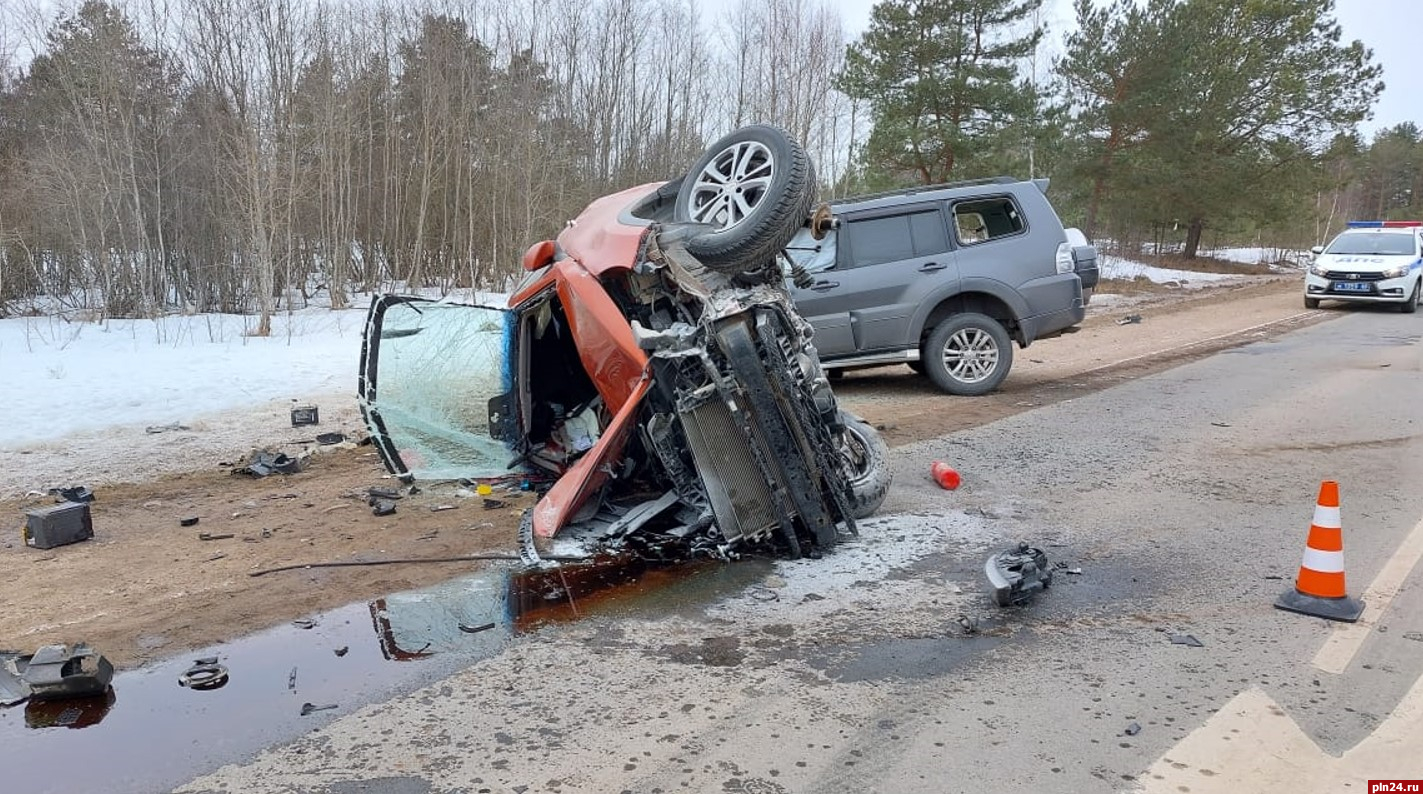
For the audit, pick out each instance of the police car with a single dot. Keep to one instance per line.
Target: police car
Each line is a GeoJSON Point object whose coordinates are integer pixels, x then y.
{"type": "Point", "coordinates": [1371, 261]}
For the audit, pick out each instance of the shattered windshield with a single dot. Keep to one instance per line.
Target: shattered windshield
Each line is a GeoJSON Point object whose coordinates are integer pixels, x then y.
{"type": "Point", "coordinates": [437, 367]}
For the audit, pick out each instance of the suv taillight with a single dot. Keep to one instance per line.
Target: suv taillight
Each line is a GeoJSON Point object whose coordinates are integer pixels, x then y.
{"type": "Point", "coordinates": [1064, 258]}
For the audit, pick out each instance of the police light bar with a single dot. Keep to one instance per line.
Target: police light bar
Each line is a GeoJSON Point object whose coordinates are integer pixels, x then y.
{"type": "Point", "coordinates": [1384, 224]}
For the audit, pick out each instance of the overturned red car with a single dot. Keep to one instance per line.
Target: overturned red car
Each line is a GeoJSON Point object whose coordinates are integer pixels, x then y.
{"type": "Point", "coordinates": [650, 370]}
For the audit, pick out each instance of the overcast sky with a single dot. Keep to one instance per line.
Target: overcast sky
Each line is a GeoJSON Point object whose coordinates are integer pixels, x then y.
{"type": "Point", "coordinates": [1391, 28]}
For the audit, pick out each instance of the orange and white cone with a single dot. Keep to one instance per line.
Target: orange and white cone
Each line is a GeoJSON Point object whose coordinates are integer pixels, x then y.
{"type": "Point", "coordinates": [1319, 590]}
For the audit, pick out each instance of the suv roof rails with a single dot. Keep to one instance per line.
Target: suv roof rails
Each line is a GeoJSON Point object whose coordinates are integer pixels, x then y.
{"type": "Point", "coordinates": [909, 191]}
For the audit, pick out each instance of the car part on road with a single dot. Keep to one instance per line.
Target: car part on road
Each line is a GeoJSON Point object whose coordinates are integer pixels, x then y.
{"type": "Point", "coordinates": [188, 521]}
{"type": "Point", "coordinates": [865, 456]}
{"type": "Point", "coordinates": [1017, 575]}
{"type": "Point", "coordinates": [262, 464]}
{"type": "Point", "coordinates": [305, 415]}
{"type": "Point", "coordinates": [217, 536]}
{"type": "Point", "coordinates": [58, 525]}
{"type": "Point", "coordinates": [1188, 640]}
{"type": "Point", "coordinates": [56, 672]}
{"type": "Point", "coordinates": [382, 507]}
{"type": "Point", "coordinates": [204, 674]}
{"type": "Point", "coordinates": [78, 493]}
{"type": "Point", "coordinates": [967, 354]}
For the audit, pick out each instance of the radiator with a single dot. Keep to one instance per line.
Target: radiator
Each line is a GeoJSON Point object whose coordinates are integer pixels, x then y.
{"type": "Point", "coordinates": [740, 499]}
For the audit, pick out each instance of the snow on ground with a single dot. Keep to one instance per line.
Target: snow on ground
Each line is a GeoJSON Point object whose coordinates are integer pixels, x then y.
{"type": "Point", "coordinates": [1115, 267]}
{"type": "Point", "coordinates": [98, 402]}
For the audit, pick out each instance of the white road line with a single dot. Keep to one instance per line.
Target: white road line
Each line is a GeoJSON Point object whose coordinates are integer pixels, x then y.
{"type": "Point", "coordinates": [1346, 639]}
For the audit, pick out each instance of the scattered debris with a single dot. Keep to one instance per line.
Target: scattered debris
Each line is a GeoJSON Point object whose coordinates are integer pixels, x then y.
{"type": "Point", "coordinates": [1073, 571]}
{"type": "Point", "coordinates": [262, 464]}
{"type": "Point", "coordinates": [374, 494]}
{"type": "Point", "coordinates": [1016, 575]}
{"type": "Point", "coordinates": [1187, 640]}
{"type": "Point", "coordinates": [304, 623]}
{"type": "Point", "coordinates": [494, 504]}
{"type": "Point", "coordinates": [431, 535]}
{"type": "Point", "coordinates": [1220, 424]}
{"type": "Point", "coordinates": [440, 508]}
{"type": "Point", "coordinates": [1130, 319]}
{"type": "Point", "coordinates": [216, 557]}
{"type": "Point", "coordinates": [382, 507]}
{"type": "Point", "coordinates": [307, 708]}
{"type": "Point", "coordinates": [813, 597]}
{"type": "Point", "coordinates": [154, 429]}
{"type": "Point", "coordinates": [205, 674]}
{"type": "Point", "coordinates": [945, 475]}
{"type": "Point", "coordinates": [190, 521]}
{"type": "Point", "coordinates": [330, 438]}
{"type": "Point", "coordinates": [1274, 577]}
{"type": "Point", "coordinates": [214, 536]}
{"type": "Point", "coordinates": [291, 680]}
{"type": "Point", "coordinates": [77, 493]}
{"type": "Point", "coordinates": [267, 533]}
{"type": "Point", "coordinates": [58, 525]}
{"type": "Point", "coordinates": [968, 624]}
{"type": "Point", "coordinates": [760, 593]}
{"type": "Point", "coordinates": [305, 415]}
{"type": "Point", "coordinates": [57, 671]}
{"type": "Point", "coordinates": [1133, 729]}
{"type": "Point", "coordinates": [342, 651]}
{"type": "Point", "coordinates": [467, 629]}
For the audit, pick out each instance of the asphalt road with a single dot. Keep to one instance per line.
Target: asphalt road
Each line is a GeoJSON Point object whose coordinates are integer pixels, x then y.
{"type": "Point", "coordinates": [1184, 498]}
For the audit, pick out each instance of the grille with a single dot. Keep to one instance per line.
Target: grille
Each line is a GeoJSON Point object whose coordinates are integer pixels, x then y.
{"type": "Point", "coordinates": [740, 499]}
{"type": "Point", "coordinates": [1341, 275]}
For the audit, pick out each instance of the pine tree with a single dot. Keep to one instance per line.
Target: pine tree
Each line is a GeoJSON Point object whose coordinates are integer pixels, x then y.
{"type": "Point", "coordinates": [942, 81]}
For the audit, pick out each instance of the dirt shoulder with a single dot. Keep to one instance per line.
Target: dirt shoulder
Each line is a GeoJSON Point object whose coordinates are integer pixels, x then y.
{"type": "Point", "coordinates": [146, 588]}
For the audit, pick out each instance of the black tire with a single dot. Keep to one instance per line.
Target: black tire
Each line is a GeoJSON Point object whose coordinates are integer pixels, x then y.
{"type": "Point", "coordinates": [866, 458]}
{"type": "Point", "coordinates": [1311, 303]}
{"type": "Point", "coordinates": [773, 211]}
{"type": "Point", "coordinates": [1411, 305]}
{"type": "Point", "coordinates": [968, 354]}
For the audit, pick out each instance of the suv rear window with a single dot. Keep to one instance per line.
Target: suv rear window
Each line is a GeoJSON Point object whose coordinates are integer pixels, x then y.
{"type": "Point", "coordinates": [978, 221]}
{"type": "Point", "coordinates": [896, 237]}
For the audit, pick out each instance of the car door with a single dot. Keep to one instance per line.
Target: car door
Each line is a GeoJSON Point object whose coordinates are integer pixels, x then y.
{"type": "Point", "coordinates": [886, 260]}
{"type": "Point", "coordinates": [433, 386]}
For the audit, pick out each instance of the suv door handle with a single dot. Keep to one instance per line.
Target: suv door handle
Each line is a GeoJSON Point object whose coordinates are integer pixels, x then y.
{"type": "Point", "coordinates": [930, 267]}
{"type": "Point", "coordinates": [821, 286]}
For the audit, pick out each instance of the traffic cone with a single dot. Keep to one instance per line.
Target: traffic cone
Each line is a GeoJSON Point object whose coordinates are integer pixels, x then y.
{"type": "Point", "coordinates": [1319, 590]}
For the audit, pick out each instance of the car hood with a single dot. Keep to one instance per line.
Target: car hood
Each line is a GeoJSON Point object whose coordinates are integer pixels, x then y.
{"type": "Point", "coordinates": [1364, 263]}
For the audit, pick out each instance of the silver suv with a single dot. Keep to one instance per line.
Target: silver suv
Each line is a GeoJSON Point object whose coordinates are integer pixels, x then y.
{"type": "Point", "coordinates": [943, 278]}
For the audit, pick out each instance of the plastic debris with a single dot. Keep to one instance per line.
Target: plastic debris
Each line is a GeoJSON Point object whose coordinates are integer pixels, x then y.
{"type": "Point", "coordinates": [307, 708]}
{"type": "Point", "coordinates": [382, 507]}
{"type": "Point", "coordinates": [945, 475]}
{"type": "Point", "coordinates": [1133, 729]}
{"type": "Point", "coordinates": [1187, 640]}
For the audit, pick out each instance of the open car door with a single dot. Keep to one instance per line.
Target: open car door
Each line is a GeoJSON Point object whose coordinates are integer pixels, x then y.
{"type": "Point", "coordinates": [434, 388]}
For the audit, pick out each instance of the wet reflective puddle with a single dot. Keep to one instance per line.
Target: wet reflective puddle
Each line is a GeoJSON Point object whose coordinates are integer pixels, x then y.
{"type": "Point", "coordinates": [153, 734]}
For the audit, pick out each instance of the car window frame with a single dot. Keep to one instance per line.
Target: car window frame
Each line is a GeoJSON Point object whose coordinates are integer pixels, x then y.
{"type": "Point", "coordinates": [979, 199]}
{"type": "Point", "coordinates": [844, 260]}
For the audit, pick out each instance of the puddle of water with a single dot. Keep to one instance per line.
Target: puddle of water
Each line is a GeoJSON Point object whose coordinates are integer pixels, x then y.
{"type": "Point", "coordinates": [153, 734]}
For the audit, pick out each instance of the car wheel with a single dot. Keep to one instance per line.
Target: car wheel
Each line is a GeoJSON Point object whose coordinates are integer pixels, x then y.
{"type": "Point", "coordinates": [968, 354]}
{"type": "Point", "coordinates": [1411, 305]}
{"type": "Point", "coordinates": [917, 366]}
{"type": "Point", "coordinates": [755, 188]}
{"type": "Point", "coordinates": [866, 461]}
{"type": "Point", "coordinates": [1311, 303]}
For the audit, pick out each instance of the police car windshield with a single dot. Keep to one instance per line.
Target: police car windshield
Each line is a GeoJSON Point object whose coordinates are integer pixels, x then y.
{"type": "Point", "coordinates": [1377, 243]}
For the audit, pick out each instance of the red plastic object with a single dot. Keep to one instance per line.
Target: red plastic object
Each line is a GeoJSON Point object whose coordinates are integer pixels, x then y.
{"type": "Point", "coordinates": [945, 475]}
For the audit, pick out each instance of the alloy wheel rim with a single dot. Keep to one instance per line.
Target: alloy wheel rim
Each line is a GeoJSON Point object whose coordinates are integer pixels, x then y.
{"type": "Point", "coordinates": [971, 355]}
{"type": "Point", "coordinates": [733, 185]}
